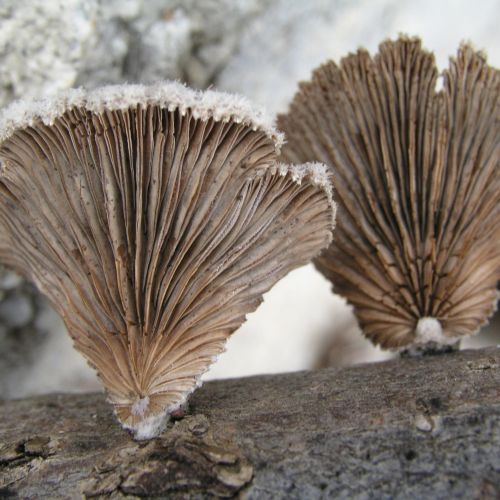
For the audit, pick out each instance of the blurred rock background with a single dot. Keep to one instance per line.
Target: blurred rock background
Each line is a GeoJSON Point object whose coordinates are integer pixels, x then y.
{"type": "Point", "coordinates": [260, 48]}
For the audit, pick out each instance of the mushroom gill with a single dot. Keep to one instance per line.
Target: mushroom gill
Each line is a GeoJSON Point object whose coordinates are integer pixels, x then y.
{"type": "Point", "coordinates": [154, 218]}
{"type": "Point", "coordinates": [416, 248]}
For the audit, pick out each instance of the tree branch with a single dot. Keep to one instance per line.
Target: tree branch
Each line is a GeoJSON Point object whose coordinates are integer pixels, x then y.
{"type": "Point", "coordinates": [427, 427]}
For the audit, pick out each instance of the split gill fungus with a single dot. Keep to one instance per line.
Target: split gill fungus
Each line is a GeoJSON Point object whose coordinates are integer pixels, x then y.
{"type": "Point", "coordinates": [416, 172]}
{"type": "Point", "coordinates": [153, 218]}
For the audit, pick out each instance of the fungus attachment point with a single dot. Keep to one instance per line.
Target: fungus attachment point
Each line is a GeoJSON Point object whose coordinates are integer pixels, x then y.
{"type": "Point", "coordinates": [140, 407]}
{"type": "Point", "coordinates": [430, 330]}
{"type": "Point", "coordinates": [128, 207]}
{"type": "Point", "coordinates": [416, 177]}
{"type": "Point", "coordinates": [148, 427]}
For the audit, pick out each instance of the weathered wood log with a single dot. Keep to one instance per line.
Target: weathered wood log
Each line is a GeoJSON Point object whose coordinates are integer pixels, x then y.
{"type": "Point", "coordinates": [406, 428]}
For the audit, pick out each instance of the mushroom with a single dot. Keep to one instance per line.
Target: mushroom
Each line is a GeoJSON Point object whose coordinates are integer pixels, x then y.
{"type": "Point", "coordinates": [416, 249]}
{"type": "Point", "coordinates": [153, 218]}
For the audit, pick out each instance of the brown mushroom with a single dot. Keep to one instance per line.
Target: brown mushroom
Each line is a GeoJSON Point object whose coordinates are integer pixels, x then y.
{"type": "Point", "coordinates": [154, 218]}
{"type": "Point", "coordinates": [416, 249]}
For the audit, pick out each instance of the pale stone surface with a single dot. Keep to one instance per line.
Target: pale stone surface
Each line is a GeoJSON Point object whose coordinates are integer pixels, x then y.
{"type": "Point", "coordinates": [20, 337]}
{"type": "Point", "coordinates": [16, 310]}
{"type": "Point", "coordinates": [47, 45]}
{"type": "Point", "coordinates": [291, 38]}
{"type": "Point", "coordinates": [42, 45]}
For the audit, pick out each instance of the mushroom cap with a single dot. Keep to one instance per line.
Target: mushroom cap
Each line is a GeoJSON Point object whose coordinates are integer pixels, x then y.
{"type": "Point", "coordinates": [154, 218]}
{"type": "Point", "coordinates": [416, 175]}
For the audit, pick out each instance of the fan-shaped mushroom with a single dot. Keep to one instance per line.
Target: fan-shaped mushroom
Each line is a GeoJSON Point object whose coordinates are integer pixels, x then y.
{"type": "Point", "coordinates": [154, 218]}
{"type": "Point", "coordinates": [416, 250]}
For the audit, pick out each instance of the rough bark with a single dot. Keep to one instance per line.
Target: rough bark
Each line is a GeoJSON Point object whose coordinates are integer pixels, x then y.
{"type": "Point", "coordinates": [406, 428]}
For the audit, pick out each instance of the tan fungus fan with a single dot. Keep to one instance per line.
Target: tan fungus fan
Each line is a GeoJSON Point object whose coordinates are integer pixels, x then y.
{"type": "Point", "coordinates": [417, 245]}
{"type": "Point", "coordinates": [154, 218]}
